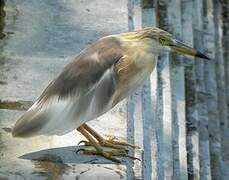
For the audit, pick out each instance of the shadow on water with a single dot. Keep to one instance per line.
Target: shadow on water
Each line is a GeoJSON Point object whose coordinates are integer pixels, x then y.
{"type": "Point", "coordinates": [2, 18]}
{"type": "Point", "coordinates": [53, 163]}
{"type": "Point", "coordinates": [67, 155]}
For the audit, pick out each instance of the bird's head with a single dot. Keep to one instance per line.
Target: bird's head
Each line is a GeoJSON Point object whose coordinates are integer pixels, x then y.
{"type": "Point", "coordinates": [178, 46]}
{"type": "Point", "coordinates": [161, 39]}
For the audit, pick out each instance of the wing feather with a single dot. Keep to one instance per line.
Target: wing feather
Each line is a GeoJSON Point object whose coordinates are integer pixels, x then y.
{"type": "Point", "coordinates": [80, 93]}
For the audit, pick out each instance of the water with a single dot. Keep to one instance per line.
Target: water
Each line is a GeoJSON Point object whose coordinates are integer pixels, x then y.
{"type": "Point", "coordinates": [37, 39]}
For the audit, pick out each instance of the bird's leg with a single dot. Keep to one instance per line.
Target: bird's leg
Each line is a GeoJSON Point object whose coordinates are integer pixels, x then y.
{"type": "Point", "coordinates": [98, 149]}
{"type": "Point", "coordinates": [111, 142]}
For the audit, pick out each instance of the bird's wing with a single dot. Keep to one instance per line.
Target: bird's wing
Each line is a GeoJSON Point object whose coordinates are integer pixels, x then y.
{"type": "Point", "coordinates": [83, 89]}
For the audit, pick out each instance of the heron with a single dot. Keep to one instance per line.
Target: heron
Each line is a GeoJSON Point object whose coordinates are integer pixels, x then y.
{"type": "Point", "coordinates": [97, 79]}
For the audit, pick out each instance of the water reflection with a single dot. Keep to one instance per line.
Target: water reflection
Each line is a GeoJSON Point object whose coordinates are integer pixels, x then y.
{"type": "Point", "coordinates": [50, 169]}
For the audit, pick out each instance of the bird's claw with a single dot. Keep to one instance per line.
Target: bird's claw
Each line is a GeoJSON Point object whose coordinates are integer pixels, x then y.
{"type": "Point", "coordinates": [86, 143]}
{"type": "Point", "coordinates": [110, 143]}
{"type": "Point", "coordinates": [121, 144]}
{"type": "Point", "coordinates": [108, 154]}
{"type": "Point", "coordinates": [133, 158]}
{"type": "Point", "coordinates": [79, 150]}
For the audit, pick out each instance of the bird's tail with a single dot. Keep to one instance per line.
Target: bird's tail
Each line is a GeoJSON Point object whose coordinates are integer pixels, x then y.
{"type": "Point", "coordinates": [30, 123]}
{"type": "Point", "coordinates": [54, 117]}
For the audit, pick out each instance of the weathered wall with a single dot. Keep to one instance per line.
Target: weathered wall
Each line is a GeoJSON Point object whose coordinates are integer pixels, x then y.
{"type": "Point", "coordinates": [179, 118]}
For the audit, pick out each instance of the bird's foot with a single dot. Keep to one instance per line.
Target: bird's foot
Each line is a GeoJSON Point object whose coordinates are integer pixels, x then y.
{"type": "Point", "coordinates": [97, 141]}
{"type": "Point", "coordinates": [111, 142]}
{"type": "Point", "coordinates": [111, 155]}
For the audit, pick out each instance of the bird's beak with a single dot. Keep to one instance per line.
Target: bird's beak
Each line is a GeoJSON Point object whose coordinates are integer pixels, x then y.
{"type": "Point", "coordinates": [184, 49]}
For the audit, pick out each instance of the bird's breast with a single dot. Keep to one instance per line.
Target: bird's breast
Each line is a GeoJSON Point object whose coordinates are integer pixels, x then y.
{"type": "Point", "coordinates": [134, 70]}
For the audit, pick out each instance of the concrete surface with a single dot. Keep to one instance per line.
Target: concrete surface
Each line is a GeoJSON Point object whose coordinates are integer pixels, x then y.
{"type": "Point", "coordinates": [41, 37]}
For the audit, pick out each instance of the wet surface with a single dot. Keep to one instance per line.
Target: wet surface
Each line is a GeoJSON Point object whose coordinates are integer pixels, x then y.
{"type": "Point", "coordinates": [2, 18]}
{"type": "Point", "coordinates": [46, 156]}
{"type": "Point", "coordinates": [37, 39]}
{"type": "Point", "coordinates": [15, 104]}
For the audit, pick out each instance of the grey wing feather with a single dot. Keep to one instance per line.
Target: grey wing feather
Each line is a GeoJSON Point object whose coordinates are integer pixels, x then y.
{"type": "Point", "coordinates": [78, 94]}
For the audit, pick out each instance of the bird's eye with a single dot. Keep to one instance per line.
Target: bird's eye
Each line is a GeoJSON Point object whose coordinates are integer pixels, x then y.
{"type": "Point", "coordinates": [162, 40]}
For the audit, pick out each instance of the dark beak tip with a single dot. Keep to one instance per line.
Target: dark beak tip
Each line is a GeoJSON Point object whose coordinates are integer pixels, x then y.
{"type": "Point", "coordinates": [201, 55]}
